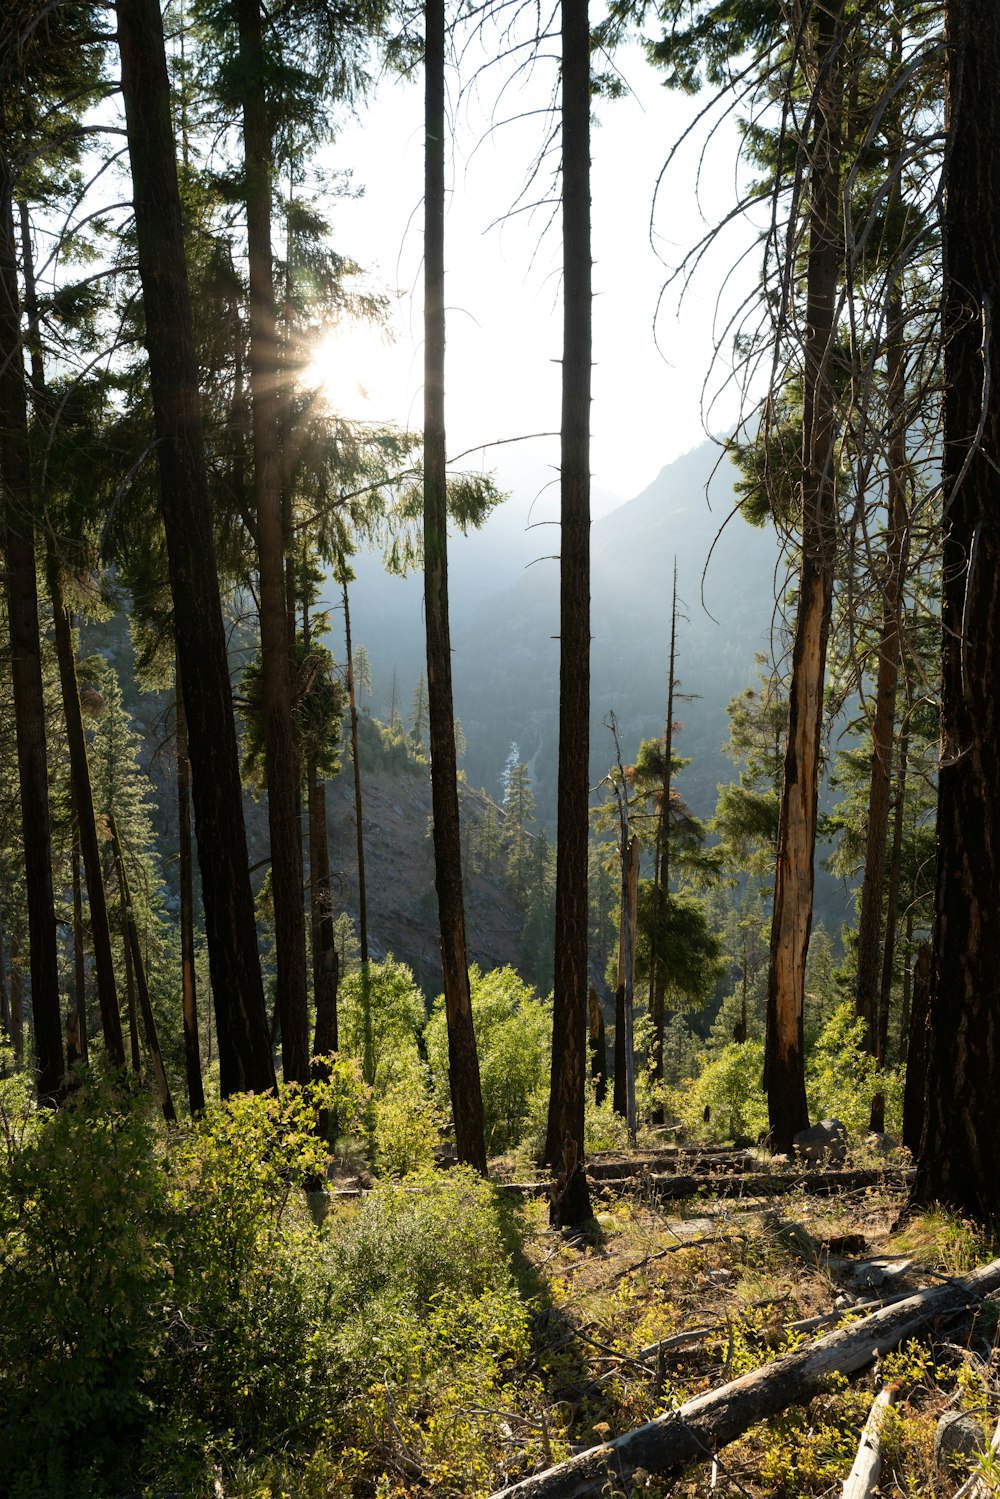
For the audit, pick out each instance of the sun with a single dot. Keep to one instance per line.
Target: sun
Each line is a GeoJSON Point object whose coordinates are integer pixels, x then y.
{"type": "Point", "coordinates": [350, 371]}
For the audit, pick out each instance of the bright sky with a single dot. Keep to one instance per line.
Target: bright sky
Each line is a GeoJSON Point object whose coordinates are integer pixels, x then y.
{"type": "Point", "coordinates": [503, 287]}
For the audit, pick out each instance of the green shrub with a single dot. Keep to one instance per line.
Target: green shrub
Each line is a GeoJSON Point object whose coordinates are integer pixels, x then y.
{"type": "Point", "coordinates": [514, 1041]}
{"type": "Point", "coordinates": [85, 1274]}
{"type": "Point", "coordinates": [407, 1128]}
{"type": "Point", "coordinates": [380, 1015]}
{"type": "Point", "coordinates": [841, 1077]}
{"type": "Point", "coordinates": [730, 1088]}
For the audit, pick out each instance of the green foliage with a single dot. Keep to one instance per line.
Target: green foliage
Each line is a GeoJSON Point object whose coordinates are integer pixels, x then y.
{"type": "Point", "coordinates": [841, 1077]}
{"type": "Point", "coordinates": [380, 1015]}
{"type": "Point", "coordinates": [513, 1039]}
{"type": "Point", "coordinates": [407, 1128]}
{"type": "Point", "coordinates": [318, 706]}
{"type": "Point", "coordinates": [166, 1304]}
{"type": "Point", "coordinates": [730, 1087]}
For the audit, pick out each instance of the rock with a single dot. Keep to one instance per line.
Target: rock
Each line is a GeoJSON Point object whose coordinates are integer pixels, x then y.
{"type": "Point", "coordinates": [826, 1140]}
{"type": "Point", "coordinates": [883, 1145]}
{"type": "Point", "coordinates": [958, 1438]}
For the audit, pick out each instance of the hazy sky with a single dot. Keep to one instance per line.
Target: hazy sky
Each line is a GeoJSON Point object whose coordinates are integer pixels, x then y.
{"type": "Point", "coordinates": [503, 286]}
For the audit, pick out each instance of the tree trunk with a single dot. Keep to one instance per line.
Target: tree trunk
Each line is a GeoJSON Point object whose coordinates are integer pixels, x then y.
{"type": "Point", "coordinates": [189, 988]}
{"type": "Point", "coordinates": [325, 962]}
{"type": "Point", "coordinates": [359, 823]}
{"type": "Point", "coordinates": [85, 827]}
{"type": "Point", "coordinates": [883, 724]}
{"type": "Point", "coordinates": [281, 754]}
{"type": "Point", "coordinates": [463, 1060]}
{"type": "Point", "coordinates": [784, 1068]}
{"type": "Point", "coordinates": [564, 1144]}
{"type": "Point", "coordinates": [661, 862]}
{"type": "Point", "coordinates": [79, 957]}
{"type": "Point", "coordinates": [326, 972]}
{"type": "Point", "coordinates": [961, 1139]}
{"type": "Point", "coordinates": [107, 992]}
{"type": "Point", "coordinates": [877, 1121]}
{"type": "Point", "coordinates": [598, 1049]}
{"type": "Point", "coordinates": [4, 993]}
{"type": "Point", "coordinates": [142, 988]}
{"type": "Point", "coordinates": [708, 1422]}
{"type": "Point", "coordinates": [16, 1000]}
{"type": "Point", "coordinates": [245, 1060]}
{"type": "Point", "coordinates": [915, 1084]}
{"type": "Point", "coordinates": [26, 659]}
{"type": "Point", "coordinates": [135, 1058]}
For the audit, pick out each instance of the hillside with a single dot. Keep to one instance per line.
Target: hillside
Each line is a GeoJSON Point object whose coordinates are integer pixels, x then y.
{"type": "Point", "coordinates": [399, 868]}
{"type": "Point", "coordinates": [505, 629]}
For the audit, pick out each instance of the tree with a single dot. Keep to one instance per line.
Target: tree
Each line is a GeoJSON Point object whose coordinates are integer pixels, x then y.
{"type": "Point", "coordinates": [244, 1046]}
{"type": "Point", "coordinates": [515, 835]}
{"type": "Point", "coordinates": [822, 43]}
{"type": "Point", "coordinates": [280, 747]}
{"type": "Point", "coordinates": [564, 1135]}
{"type": "Point", "coordinates": [463, 1063]}
{"type": "Point", "coordinates": [86, 839]}
{"type": "Point", "coordinates": [957, 1162]}
{"type": "Point", "coordinates": [22, 614]}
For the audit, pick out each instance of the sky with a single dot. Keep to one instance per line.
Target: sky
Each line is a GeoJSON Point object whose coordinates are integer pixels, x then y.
{"type": "Point", "coordinates": [503, 283]}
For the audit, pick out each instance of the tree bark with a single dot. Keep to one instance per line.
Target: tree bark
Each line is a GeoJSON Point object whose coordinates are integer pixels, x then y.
{"type": "Point", "coordinates": [142, 988]}
{"type": "Point", "coordinates": [463, 1060]}
{"type": "Point", "coordinates": [4, 993]}
{"type": "Point", "coordinates": [661, 864]}
{"type": "Point", "coordinates": [18, 536]}
{"type": "Point", "coordinates": [79, 956]}
{"type": "Point", "coordinates": [915, 1084]}
{"type": "Point", "coordinates": [598, 1049]}
{"type": "Point", "coordinates": [863, 1478]}
{"type": "Point", "coordinates": [359, 822]}
{"type": "Point", "coordinates": [784, 1067]}
{"type": "Point", "coordinates": [326, 968]}
{"type": "Point", "coordinates": [883, 723]}
{"type": "Point", "coordinates": [708, 1422]}
{"type": "Point", "coordinates": [281, 754]}
{"type": "Point", "coordinates": [244, 1049]}
{"type": "Point", "coordinates": [564, 1144]}
{"type": "Point", "coordinates": [961, 1139]}
{"type": "Point", "coordinates": [189, 988]}
{"type": "Point", "coordinates": [100, 929]}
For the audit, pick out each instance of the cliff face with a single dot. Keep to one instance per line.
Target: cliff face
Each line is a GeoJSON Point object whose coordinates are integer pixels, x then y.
{"type": "Point", "coordinates": [399, 869]}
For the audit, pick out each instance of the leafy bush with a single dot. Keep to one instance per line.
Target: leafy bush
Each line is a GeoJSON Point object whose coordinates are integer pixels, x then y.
{"type": "Point", "coordinates": [514, 1041]}
{"type": "Point", "coordinates": [841, 1077]}
{"type": "Point", "coordinates": [168, 1307]}
{"type": "Point", "coordinates": [380, 1015]}
{"type": "Point", "coordinates": [730, 1088]}
{"type": "Point", "coordinates": [407, 1129]}
{"type": "Point", "coordinates": [85, 1274]}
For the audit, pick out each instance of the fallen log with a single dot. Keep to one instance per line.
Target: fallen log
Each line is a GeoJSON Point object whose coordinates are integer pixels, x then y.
{"type": "Point", "coordinates": [770, 1184]}
{"type": "Point", "coordinates": [864, 1475]}
{"type": "Point", "coordinates": [803, 1325]}
{"type": "Point", "coordinates": [978, 1485]}
{"type": "Point", "coordinates": [700, 1427]}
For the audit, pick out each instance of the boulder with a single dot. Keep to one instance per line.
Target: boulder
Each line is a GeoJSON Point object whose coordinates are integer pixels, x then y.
{"type": "Point", "coordinates": [959, 1438]}
{"type": "Point", "coordinates": [825, 1141]}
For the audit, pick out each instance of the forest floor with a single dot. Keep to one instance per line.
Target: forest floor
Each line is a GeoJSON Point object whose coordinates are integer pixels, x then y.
{"type": "Point", "coordinates": [666, 1299]}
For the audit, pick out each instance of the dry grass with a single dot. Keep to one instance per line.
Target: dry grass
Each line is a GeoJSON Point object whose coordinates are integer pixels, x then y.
{"type": "Point", "coordinates": [731, 1275]}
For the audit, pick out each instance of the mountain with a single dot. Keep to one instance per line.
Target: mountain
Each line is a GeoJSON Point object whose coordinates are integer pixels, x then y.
{"type": "Point", "coordinates": [507, 653]}
{"type": "Point", "coordinates": [505, 625]}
